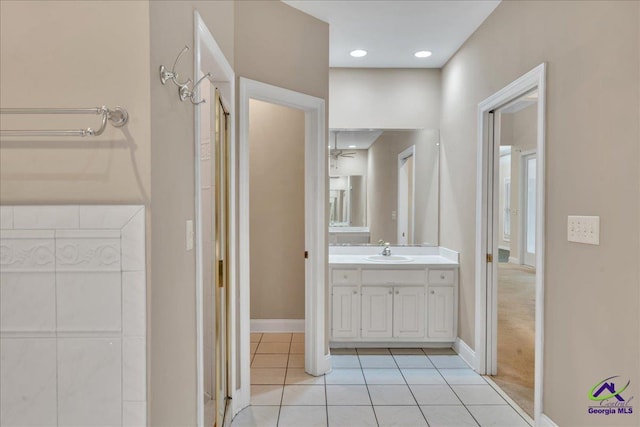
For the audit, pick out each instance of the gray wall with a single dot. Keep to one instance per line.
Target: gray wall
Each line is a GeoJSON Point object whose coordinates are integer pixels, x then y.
{"type": "Point", "coordinates": [379, 98]}
{"type": "Point", "coordinates": [172, 346]}
{"type": "Point", "coordinates": [592, 53]}
{"type": "Point", "coordinates": [276, 140]}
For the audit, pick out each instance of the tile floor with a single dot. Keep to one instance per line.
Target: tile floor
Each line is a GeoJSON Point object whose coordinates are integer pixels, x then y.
{"type": "Point", "coordinates": [368, 387]}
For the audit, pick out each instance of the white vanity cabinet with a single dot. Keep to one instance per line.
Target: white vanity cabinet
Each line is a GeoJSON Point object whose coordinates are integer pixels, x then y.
{"type": "Point", "coordinates": [345, 302]}
{"type": "Point", "coordinates": [388, 304]}
{"type": "Point", "coordinates": [377, 312]}
{"type": "Point", "coordinates": [442, 302]}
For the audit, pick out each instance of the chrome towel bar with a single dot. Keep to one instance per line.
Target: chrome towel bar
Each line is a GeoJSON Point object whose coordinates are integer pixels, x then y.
{"type": "Point", "coordinates": [118, 118]}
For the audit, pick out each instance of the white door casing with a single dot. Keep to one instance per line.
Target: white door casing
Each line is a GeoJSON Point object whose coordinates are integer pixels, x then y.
{"type": "Point", "coordinates": [487, 233]}
{"type": "Point", "coordinates": [208, 57]}
{"type": "Point", "coordinates": [317, 361]}
{"type": "Point", "coordinates": [406, 202]}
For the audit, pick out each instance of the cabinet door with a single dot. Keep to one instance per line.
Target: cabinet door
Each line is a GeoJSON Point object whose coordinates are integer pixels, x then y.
{"type": "Point", "coordinates": [344, 312]}
{"type": "Point", "coordinates": [377, 311]}
{"type": "Point", "coordinates": [408, 312]}
{"type": "Point", "coordinates": [441, 312]}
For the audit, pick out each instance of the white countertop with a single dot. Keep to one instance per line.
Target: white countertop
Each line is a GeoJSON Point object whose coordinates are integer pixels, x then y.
{"type": "Point", "coordinates": [416, 260]}
{"type": "Point", "coordinates": [420, 256]}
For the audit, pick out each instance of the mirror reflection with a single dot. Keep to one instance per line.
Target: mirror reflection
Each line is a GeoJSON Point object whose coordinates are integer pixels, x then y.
{"type": "Point", "coordinates": [383, 186]}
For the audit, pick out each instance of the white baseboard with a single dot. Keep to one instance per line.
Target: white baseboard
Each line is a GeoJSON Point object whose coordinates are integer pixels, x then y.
{"type": "Point", "coordinates": [545, 421]}
{"type": "Point", "coordinates": [513, 260]}
{"type": "Point", "coordinates": [466, 352]}
{"type": "Point", "coordinates": [277, 325]}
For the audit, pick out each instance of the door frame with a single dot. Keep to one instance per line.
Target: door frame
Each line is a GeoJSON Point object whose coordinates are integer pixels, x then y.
{"type": "Point", "coordinates": [522, 224]}
{"type": "Point", "coordinates": [409, 152]}
{"type": "Point", "coordinates": [317, 358]}
{"type": "Point", "coordinates": [486, 233]}
{"type": "Point", "coordinates": [207, 54]}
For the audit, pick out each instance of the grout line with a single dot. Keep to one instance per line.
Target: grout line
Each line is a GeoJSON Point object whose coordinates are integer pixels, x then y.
{"type": "Point", "coordinates": [410, 390]}
{"type": "Point", "coordinates": [454, 392]}
{"type": "Point", "coordinates": [509, 400]}
{"type": "Point", "coordinates": [366, 384]}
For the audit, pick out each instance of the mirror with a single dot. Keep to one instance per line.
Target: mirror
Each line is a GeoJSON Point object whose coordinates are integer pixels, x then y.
{"type": "Point", "coordinates": [347, 201]}
{"type": "Point", "coordinates": [383, 186]}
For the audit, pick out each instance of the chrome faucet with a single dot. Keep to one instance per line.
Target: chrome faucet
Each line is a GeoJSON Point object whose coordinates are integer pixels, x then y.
{"type": "Point", "coordinates": [387, 250]}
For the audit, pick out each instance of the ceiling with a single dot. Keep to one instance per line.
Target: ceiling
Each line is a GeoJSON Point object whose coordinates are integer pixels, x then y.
{"type": "Point", "coordinates": [392, 31]}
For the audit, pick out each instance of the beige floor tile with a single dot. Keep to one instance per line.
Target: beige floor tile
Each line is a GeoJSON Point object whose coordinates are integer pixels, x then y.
{"type": "Point", "coordinates": [296, 361]}
{"type": "Point", "coordinates": [304, 395]}
{"type": "Point", "coordinates": [266, 395]}
{"type": "Point", "coordinates": [297, 348]}
{"type": "Point", "coordinates": [350, 416]}
{"type": "Point", "coordinates": [270, 361]}
{"type": "Point", "coordinates": [276, 337]}
{"type": "Point", "coordinates": [307, 416]}
{"type": "Point", "coordinates": [255, 337]}
{"type": "Point", "coordinates": [299, 376]}
{"type": "Point", "coordinates": [273, 347]}
{"type": "Point", "coordinates": [267, 375]}
{"type": "Point", "coordinates": [298, 337]}
{"type": "Point", "coordinates": [258, 416]}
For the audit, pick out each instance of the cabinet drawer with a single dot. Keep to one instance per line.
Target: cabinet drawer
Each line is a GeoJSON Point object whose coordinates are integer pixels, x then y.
{"type": "Point", "coordinates": [345, 277]}
{"type": "Point", "coordinates": [393, 277]}
{"type": "Point", "coordinates": [441, 277]}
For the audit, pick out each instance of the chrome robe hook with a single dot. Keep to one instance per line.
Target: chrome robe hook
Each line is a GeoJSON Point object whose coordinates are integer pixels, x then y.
{"type": "Point", "coordinates": [166, 75]}
{"type": "Point", "coordinates": [185, 92]}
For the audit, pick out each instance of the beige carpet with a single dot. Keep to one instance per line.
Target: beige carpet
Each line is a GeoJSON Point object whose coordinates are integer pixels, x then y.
{"type": "Point", "coordinates": [516, 333]}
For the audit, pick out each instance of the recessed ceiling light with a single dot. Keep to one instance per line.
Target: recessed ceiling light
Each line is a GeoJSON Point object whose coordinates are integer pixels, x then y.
{"type": "Point", "coordinates": [352, 146]}
{"type": "Point", "coordinates": [422, 54]}
{"type": "Point", "coordinates": [358, 53]}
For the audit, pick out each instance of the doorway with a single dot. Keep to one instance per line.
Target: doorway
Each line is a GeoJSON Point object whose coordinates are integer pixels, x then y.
{"type": "Point", "coordinates": [515, 138]}
{"type": "Point", "coordinates": [503, 286]}
{"type": "Point", "coordinates": [406, 196]}
{"type": "Point", "coordinates": [277, 223]}
{"type": "Point", "coordinates": [214, 229]}
{"type": "Point", "coordinates": [214, 208]}
{"type": "Point", "coordinates": [316, 355]}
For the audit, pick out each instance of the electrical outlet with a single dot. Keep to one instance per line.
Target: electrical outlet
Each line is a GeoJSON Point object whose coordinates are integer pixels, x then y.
{"type": "Point", "coordinates": [189, 235]}
{"type": "Point", "coordinates": [394, 215]}
{"type": "Point", "coordinates": [583, 229]}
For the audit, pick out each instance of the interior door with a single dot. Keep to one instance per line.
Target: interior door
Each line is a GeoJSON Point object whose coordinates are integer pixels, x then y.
{"type": "Point", "coordinates": [221, 247]}
{"type": "Point", "coordinates": [529, 213]}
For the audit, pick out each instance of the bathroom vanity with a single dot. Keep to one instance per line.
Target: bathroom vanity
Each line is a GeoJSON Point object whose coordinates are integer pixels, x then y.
{"type": "Point", "coordinates": [407, 299]}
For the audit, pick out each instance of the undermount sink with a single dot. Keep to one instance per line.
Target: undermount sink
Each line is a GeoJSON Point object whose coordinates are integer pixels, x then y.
{"type": "Point", "coordinates": [389, 258]}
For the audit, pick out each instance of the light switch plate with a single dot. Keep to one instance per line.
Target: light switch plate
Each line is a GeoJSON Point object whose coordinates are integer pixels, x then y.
{"type": "Point", "coordinates": [189, 235]}
{"type": "Point", "coordinates": [583, 229]}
